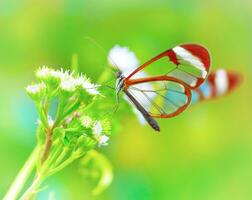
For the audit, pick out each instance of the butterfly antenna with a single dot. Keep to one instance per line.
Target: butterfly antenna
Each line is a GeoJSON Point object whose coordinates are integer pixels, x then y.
{"type": "Point", "coordinates": [103, 50]}
{"type": "Point", "coordinates": [113, 63]}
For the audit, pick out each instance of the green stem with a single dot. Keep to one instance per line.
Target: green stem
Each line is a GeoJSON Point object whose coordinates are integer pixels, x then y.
{"type": "Point", "coordinates": [31, 191]}
{"type": "Point", "coordinates": [42, 174]}
{"type": "Point", "coordinates": [22, 176]}
{"type": "Point", "coordinates": [61, 156]}
{"type": "Point", "coordinates": [62, 165]}
{"type": "Point", "coordinates": [55, 154]}
{"type": "Point", "coordinates": [48, 145]}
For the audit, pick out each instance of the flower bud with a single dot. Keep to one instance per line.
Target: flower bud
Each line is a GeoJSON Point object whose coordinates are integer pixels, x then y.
{"type": "Point", "coordinates": [86, 121]}
{"type": "Point", "coordinates": [50, 77]}
{"type": "Point", "coordinates": [98, 132]}
{"type": "Point", "coordinates": [36, 91]}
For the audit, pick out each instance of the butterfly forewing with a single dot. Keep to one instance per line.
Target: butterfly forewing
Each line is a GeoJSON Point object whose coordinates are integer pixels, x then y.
{"type": "Point", "coordinates": [161, 98]}
{"type": "Point", "coordinates": [190, 64]}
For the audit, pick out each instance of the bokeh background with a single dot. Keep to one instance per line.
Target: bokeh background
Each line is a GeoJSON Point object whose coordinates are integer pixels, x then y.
{"type": "Point", "coordinates": [203, 154]}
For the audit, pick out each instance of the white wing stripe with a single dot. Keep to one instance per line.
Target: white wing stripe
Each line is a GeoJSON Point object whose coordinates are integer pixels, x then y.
{"type": "Point", "coordinates": [221, 82]}
{"type": "Point", "coordinates": [193, 60]}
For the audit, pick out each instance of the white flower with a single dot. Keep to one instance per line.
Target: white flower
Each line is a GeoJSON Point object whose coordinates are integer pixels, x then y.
{"type": "Point", "coordinates": [86, 121]}
{"type": "Point", "coordinates": [123, 58]}
{"type": "Point", "coordinates": [43, 72]}
{"type": "Point", "coordinates": [67, 83]}
{"type": "Point", "coordinates": [97, 131]}
{"type": "Point", "coordinates": [68, 120]}
{"type": "Point", "coordinates": [97, 128]}
{"type": "Point", "coordinates": [79, 80]}
{"type": "Point", "coordinates": [59, 74]}
{"type": "Point", "coordinates": [86, 85]}
{"type": "Point", "coordinates": [35, 88]}
{"type": "Point", "coordinates": [127, 62]}
{"type": "Point", "coordinates": [103, 140]}
{"type": "Point", "coordinates": [50, 121]}
{"type": "Point", "coordinates": [90, 87]}
{"type": "Point", "coordinates": [46, 73]}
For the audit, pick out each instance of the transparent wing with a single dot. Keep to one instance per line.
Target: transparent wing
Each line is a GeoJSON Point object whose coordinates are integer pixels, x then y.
{"type": "Point", "coordinates": [162, 98]}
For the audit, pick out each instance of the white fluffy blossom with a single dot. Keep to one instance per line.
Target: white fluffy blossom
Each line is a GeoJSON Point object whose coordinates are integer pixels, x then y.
{"type": "Point", "coordinates": [43, 72]}
{"type": "Point", "coordinates": [82, 81]}
{"type": "Point", "coordinates": [35, 88]}
{"type": "Point", "coordinates": [97, 128]}
{"type": "Point", "coordinates": [103, 140]}
{"type": "Point", "coordinates": [127, 62]}
{"type": "Point", "coordinates": [59, 74]}
{"type": "Point", "coordinates": [90, 87]}
{"type": "Point", "coordinates": [68, 83]}
{"type": "Point", "coordinates": [123, 58]}
{"type": "Point", "coordinates": [78, 81]}
{"type": "Point", "coordinates": [50, 121]}
{"type": "Point", "coordinates": [97, 131]}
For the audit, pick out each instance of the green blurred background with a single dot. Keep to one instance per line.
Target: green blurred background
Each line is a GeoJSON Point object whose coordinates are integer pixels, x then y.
{"type": "Point", "coordinates": [204, 154]}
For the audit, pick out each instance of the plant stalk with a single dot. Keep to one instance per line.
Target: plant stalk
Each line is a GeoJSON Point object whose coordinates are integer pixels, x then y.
{"type": "Point", "coordinates": [48, 145]}
{"type": "Point", "coordinates": [22, 176]}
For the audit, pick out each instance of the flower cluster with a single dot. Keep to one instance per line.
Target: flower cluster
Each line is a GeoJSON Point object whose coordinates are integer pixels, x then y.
{"type": "Point", "coordinates": [70, 123]}
{"type": "Point", "coordinates": [123, 58]}
{"type": "Point", "coordinates": [74, 93]}
{"type": "Point", "coordinates": [62, 80]}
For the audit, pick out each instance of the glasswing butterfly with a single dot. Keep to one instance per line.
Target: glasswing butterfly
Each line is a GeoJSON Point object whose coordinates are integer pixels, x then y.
{"type": "Point", "coordinates": [169, 94]}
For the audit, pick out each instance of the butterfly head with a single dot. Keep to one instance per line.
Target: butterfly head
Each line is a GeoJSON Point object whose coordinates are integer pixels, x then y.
{"type": "Point", "coordinates": [119, 82]}
{"type": "Point", "coordinates": [118, 74]}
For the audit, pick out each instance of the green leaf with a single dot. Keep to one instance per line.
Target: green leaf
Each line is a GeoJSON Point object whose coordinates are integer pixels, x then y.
{"type": "Point", "coordinates": [66, 141]}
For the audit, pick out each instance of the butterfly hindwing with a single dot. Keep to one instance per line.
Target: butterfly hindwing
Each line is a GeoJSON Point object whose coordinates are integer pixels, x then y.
{"type": "Point", "coordinates": [218, 83]}
{"type": "Point", "coordinates": [162, 98]}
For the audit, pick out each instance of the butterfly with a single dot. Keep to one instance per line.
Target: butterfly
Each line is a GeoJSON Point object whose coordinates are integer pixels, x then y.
{"type": "Point", "coordinates": [217, 83]}
{"type": "Point", "coordinates": [169, 94]}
